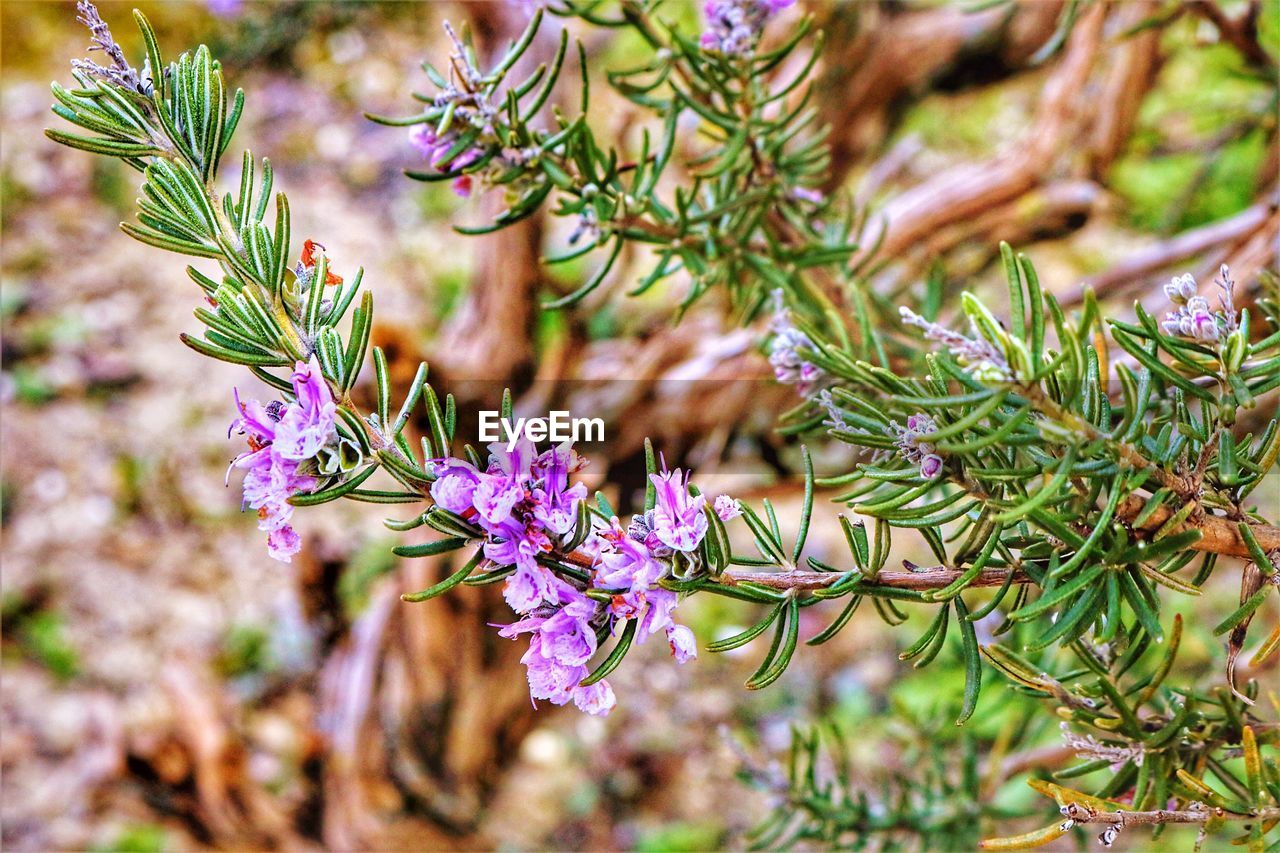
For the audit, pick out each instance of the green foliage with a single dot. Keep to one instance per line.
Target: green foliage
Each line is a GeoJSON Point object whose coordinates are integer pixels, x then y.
{"type": "Point", "coordinates": [1199, 145]}
{"type": "Point", "coordinates": [745, 219]}
{"type": "Point", "coordinates": [678, 837]}
{"type": "Point", "coordinates": [42, 637]}
{"type": "Point", "coordinates": [137, 838]}
{"type": "Point", "coordinates": [370, 562]}
{"type": "Point", "coordinates": [824, 799]}
{"type": "Point", "coordinates": [246, 651]}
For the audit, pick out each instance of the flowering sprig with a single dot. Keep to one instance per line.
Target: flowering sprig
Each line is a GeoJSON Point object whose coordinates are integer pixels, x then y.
{"type": "Point", "coordinates": [982, 352]}
{"type": "Point", "coordinates": [314, 445]}
{"type": "Point", "coordinates": [1194, 319]}
{"type": "Point", "coordinates": [746, 216]}
{"type": "Point", "coordinates": [119, 72]}
{"type": "Point", "coordinates": [733, 27]}
{"type": "Point", "coordinates": [787, 348]}
{"type": "Point", "coordinates": [1156, 772]}
{"type": "Point", "coordinates": [965, 438]}
{"type": "Point", "coordinates": [577, 576]}
{"type": "Point", "coordinates": [571, 572]}
{"type": "Point", "coordinates": [477, 128]}
{"type": "Point", "coordinates": [527, 514]}
{"type": "Point", "coordinates": [474, 128]}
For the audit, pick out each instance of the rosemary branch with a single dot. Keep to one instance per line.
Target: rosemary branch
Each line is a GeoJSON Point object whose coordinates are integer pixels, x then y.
{"type": "Point", "coordinates": [1085, 814]}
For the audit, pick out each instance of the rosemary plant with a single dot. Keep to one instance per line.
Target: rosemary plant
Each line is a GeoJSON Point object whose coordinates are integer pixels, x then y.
{"type": "Point", "coordinates": [1069, 473]}
{"type": "Point", "coordinates": [746, 215]}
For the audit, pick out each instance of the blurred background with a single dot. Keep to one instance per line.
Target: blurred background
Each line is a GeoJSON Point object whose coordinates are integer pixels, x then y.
{"type": "Point", "coordinates": [167, 686]}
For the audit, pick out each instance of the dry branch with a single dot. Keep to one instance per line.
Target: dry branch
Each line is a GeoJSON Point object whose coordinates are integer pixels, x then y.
{"type": "Point", "coordinates": [967, 191]}
{"type": "Point", "coordinates": [877, 58]}
{"type": "Point", "coordinates": [1220, 535]}
{"type": "Point", "coordinates": [936, 577]}
{"type": "Point", "coordinates": [1257, 220]}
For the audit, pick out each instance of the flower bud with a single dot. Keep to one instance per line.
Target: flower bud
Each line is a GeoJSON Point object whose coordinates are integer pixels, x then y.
{"type": "Point", "coordinates": [1180, 288]}
{"type": "Point", "coordinates": [930, 466]}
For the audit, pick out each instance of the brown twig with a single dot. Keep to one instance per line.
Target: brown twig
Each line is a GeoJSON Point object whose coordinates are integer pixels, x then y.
{"type": "Point", "coordinates": [1220, 535]}
{"type": "Point", "coordinates": [1188, 244]}
{"type": "Point", "coordinates": [969, 190]}
{"type": "Point", "coordinates": [936, 577]}
{"type": "Point", "coordinates": [878, 59]}
{"type": "Point", "coordinates": [1125, 86]}
{"type": "Point", "coordinates": [1084, 814]}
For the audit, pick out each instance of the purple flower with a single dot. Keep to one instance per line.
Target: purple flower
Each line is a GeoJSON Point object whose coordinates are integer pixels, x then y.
{"type": "Point", "coordinates": [915, 449]}
{"type": "Point", "coordinates": [930, 466]}
{"type": "Point", "coordinates": [678, 521]}
{"type": "Point", "coordinates": [789, 365]}
{"type": "Point", "coordinates": [503, 486]}
{"type": "Point", "coordinates": [269, 482]}
{"type": "Point", "coordinates": [734, 26]}
{"type": "Point", "coordinates": [465, 159]}
{"type": "Point", "coordinates": [225, 8]}
{"type": "Point", "coordinates": [1194, 320]}
{"type": "Point", "coordinates": [596, 699]}
{"type": "Point", "coordinates": [283, 542]}
{"type": "Point", "coordinates": [549, 678]}
{"type": "Point", "coordinates": [513, 544]}
{"type": "Point", "coordinates": [432, 147]}
{"type": "Point", "coordinates": [560, 644]}
{"type": "Point", "coordinates": [594, 546]}
{"type": "Point", "coordinates": [556, 502]}
{"type": "Point", "coordinates": [920, 424]}
{"type": "Point", "coordinates": [808, 194]}
{"type": "Point", "coordinates": [628, 565]}
{"type": "Point", "coordinates": [657, 616]}
{"type": "Point", "coordinates": [1201, 323]}
{"type": "Point", "coordinates": [1180, 288]}
{"type": "Point", "coordinates": [435, 148]}
{"type": "Point", "coordinates": [522, 501]}
{"type": "Point", "coordinates": [982, 358]}
{"type": "Point", "coordinates": [455, 485]}
{"type": "Point", "coordinates": [835, 415]}
{"type": "Point", "coordinates": [307, 423]}
{"type": "Point", "coordinates": [568, 634]}
{"type": "Point", "coordinates": [256, 421]}
{"type": "Point", "coordinates": [682, 643]}
{"type": "Point", "coordinates": [653, 611]}
{"type": "Point", "coordinates": [281, 438]}
{"type": "Point", "coordinates": [727, 508]}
